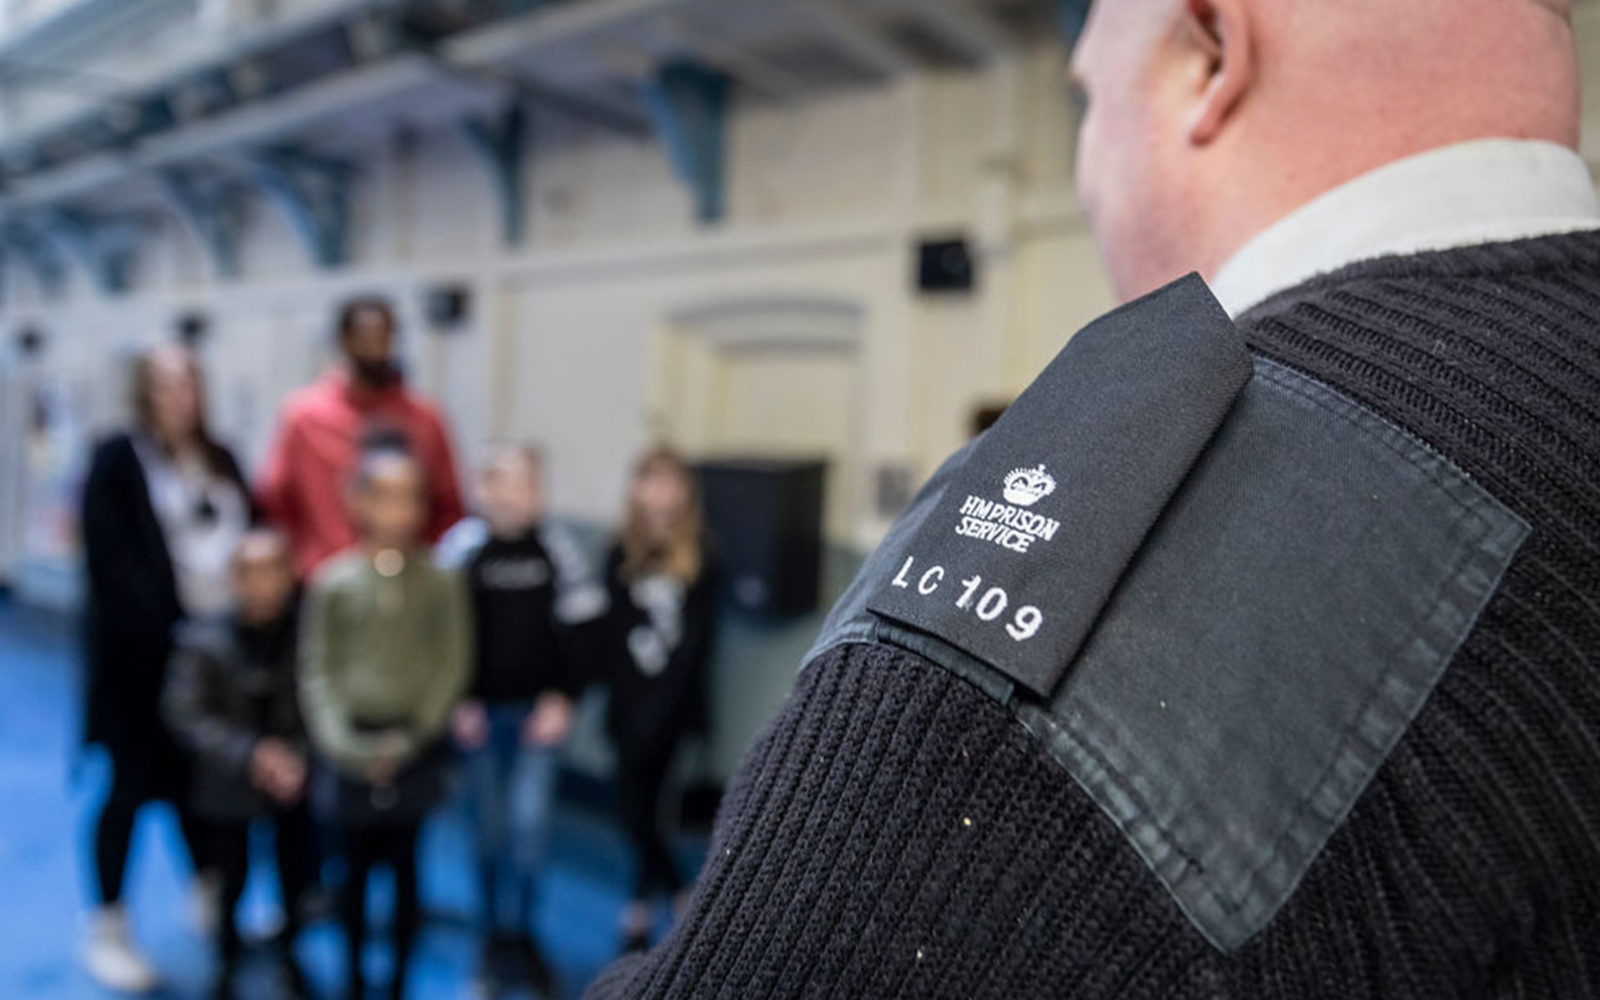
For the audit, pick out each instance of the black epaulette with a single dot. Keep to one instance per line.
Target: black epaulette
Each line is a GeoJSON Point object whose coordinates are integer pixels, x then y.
{"type": "Point", "coordinates": [1215, 590]}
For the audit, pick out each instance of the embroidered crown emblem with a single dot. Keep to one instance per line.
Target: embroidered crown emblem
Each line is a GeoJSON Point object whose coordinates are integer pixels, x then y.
{"type": "Point", "coordinates": [1026, 487]}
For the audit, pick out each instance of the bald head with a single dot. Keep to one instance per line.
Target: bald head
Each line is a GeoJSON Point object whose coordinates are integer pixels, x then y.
{"type": "Point", "coordinates": [1208, 120]}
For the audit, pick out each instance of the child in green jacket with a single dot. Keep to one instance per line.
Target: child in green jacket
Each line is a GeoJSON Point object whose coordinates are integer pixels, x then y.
{"type": "Point", "coordinates": [386, 654]}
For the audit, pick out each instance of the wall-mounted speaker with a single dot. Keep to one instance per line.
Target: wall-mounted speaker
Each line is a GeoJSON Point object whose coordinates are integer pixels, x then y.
{"type": "Point", "coordinates": [446, 307]}
{"type": "Point", "coordinates": [192, 328]}
{"type": "Point", "coordinates": [766, 518]}
{"type": "Point", "coordinates": [30, 342]}
{"type": "Point", "coordinates": [985, 416]}
{"type": "Point", "coordinates": [946, 266]}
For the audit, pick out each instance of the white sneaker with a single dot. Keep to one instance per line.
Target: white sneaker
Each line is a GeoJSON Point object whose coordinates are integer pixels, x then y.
{"type": "Point", "coordinates": [110, 955]}
{"type": "Point", "coordinates": [267, 923]}
{"type": "Point", "coordinates": [205, 904]}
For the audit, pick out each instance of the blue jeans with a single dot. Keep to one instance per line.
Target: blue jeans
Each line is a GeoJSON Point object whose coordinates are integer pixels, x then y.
{"type": "Point", "coordinates": [511, 787]}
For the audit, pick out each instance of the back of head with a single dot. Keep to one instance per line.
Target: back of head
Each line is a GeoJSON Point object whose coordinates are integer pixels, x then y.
{"type": "Point", "coordinates": [1208, 120]}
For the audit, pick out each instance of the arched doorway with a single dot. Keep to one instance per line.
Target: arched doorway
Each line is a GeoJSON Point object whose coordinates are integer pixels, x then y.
{"type": "Point", "coordinates": [775, 376]}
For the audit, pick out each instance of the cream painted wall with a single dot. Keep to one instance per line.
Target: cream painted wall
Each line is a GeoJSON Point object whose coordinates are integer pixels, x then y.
{"type": "Point", "coordinates": [826, 199]}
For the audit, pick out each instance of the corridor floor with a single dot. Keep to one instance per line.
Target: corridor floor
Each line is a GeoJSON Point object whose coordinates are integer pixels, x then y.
{"type": "Point", "coordinates": [47, 793]}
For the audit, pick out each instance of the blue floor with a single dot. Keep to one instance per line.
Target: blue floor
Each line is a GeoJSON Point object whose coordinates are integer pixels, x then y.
{"type": "Point", "coordinates": [46, 799]}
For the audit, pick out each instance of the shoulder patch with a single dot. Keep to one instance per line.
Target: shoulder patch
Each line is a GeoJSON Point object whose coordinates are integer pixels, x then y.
{"type": "Point", "coordinates": [1015, 561]}
{"type": "Point", "coordinates": [1244, 674]}
{"type": "Point", "coordinates": [1285, 622]}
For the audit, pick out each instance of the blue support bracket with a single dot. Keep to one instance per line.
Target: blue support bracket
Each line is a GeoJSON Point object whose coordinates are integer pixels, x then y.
{"type": "Point", "coordinates": [502, 145]}
{"type": "Point", "coordinates": [214, 213]}
{"type": "Point", "coordinates": [154, 114]}
{"type": "Point", "coordinates": [314, 192]}
{"type": "Point", "coordinates": [106, 247]}
{"type": "Point", "coordinates": [1073, 14]}
{"type": "Point", "coordinates": [26, 244]}
{"type": "Point", "coordinates": [127, 123]}
{"type": "Point", "coordinates": [216, 90]}
{"type": "Point", "coordinates": [689, 106]}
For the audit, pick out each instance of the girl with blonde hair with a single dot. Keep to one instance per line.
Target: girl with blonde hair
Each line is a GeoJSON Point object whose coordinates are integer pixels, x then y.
{"type": "Point", "coordinates": [657, 647]}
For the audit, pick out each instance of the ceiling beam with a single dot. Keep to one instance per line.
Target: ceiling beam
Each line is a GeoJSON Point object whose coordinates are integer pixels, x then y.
{"type": "Point", "coordinates": [612, 115]}
{"type": "Point", "coordinates": [567, 24]}
{"type": "Point", "coordinates": [298, 110]}
{"type": "Point", "coordinates": [703, 46]}
{"type": "Point", "coordinates": [848, 29]}
{"type": "Point", "coordinates": [963, 26]}
{"type": "Point", "coordinates": [233, 49]}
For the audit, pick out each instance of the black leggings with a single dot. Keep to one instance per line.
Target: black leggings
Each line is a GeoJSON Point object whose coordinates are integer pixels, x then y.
{"type": "Point", "coordinates": [640, 779]}
{"type": "Point", "coordinates": [113, 833]}
{"type": "Point", "coordinates": [396, 847]}
{"type": "Point", "coordinates": [229, 851]}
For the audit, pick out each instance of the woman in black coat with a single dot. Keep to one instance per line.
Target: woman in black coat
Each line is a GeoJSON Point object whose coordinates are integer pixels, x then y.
{"type": "Point", "coordinates": [657, 640]}
{"type": "Point", "coordinates": [163, 506]}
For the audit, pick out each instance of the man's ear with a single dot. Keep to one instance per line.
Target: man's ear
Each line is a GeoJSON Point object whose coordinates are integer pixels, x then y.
{"type": "Point", "coordinates": [1220, 30]}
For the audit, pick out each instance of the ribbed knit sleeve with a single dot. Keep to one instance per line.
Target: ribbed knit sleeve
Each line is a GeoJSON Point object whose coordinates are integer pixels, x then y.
{"type": "Point", "coordinates": [896, 833]}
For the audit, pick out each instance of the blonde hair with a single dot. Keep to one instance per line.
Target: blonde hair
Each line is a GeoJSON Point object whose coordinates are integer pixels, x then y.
{"type": "Point", "coordinates": [681, 557]}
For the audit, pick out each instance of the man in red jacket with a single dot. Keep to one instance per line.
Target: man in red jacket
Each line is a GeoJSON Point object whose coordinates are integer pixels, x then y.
{"type": "Point", "coordinates": [321, 429]}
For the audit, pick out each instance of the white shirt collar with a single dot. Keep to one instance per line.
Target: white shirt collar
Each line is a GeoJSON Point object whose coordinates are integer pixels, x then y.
{"type": "Point", "coordinates": [1484, 191]}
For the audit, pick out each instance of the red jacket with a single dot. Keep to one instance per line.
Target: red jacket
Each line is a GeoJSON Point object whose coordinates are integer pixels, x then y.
{"type": "Point", "coordinates": [302, 488]}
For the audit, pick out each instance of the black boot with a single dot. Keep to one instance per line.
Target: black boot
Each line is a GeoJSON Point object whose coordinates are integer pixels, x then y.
{"type": "Point", "coordinates": [295, 984]}
{"type": "Point", "coordinates": [489, 983]}
{"type": "Point", "coordinates": [535, 971]}
{"type": "Point", "coordinates": [228, 968]}
{"type": "Point", "coordinates": [222, 989]}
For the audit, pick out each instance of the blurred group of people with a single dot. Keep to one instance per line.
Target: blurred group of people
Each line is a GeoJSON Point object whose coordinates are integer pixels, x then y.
{"type": "Point", "coordinates": [333, 652]}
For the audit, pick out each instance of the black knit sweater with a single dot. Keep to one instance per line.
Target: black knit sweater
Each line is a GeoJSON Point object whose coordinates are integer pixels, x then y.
{"type": "Point", "coordinates": [895, 833]}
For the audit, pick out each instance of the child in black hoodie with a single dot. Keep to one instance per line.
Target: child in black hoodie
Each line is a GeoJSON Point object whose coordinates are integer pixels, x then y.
{"type": "Point", "coordinates": [531, 587]}
{"type": "Point", "coordinates": [231, 700]}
